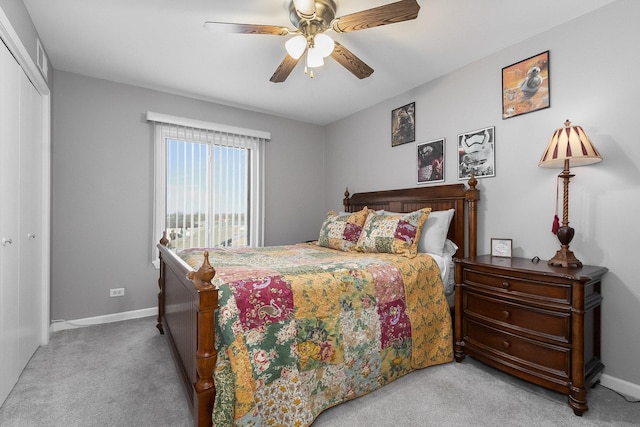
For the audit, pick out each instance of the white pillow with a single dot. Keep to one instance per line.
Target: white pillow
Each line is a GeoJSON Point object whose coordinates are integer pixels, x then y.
{"type": "Point", "coordinates": [434, 231]}
{"type": "Point", "coordinates": [450, 249]}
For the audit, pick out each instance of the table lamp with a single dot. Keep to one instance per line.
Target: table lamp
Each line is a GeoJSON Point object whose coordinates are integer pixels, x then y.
{"type": "Point", "coordinates": [568, 146]}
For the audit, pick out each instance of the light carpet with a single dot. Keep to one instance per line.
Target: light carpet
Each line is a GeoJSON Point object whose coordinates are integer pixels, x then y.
{"type": "Point", "coordinates": [122, 374]}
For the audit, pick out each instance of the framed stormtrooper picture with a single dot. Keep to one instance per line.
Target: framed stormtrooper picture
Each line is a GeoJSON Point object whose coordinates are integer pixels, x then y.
{"type": "Point", "coordinates": [476, 153]}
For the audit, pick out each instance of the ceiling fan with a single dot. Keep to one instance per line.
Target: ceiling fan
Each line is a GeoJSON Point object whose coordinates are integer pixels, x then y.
{"type": "Point", "coordinates": [312, 19]}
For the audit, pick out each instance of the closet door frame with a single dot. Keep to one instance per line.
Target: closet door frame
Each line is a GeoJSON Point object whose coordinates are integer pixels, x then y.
{"type": "Point", "coordinates": [11, 39]}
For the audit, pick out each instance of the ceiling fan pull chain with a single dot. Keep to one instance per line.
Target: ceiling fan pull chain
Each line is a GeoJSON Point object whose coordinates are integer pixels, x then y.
{"type": "Point", "coordinates": [307, 69]}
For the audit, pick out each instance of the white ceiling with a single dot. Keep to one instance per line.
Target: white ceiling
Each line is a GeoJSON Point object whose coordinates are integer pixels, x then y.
{"type": "Point", "coordinates": [161, 44]}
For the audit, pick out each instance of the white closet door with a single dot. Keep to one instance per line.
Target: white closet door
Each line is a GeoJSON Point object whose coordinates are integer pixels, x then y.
{"type": "Point", "coordinates": [9, 221]}
{"type": "Point", "coordinates": [30, 219]}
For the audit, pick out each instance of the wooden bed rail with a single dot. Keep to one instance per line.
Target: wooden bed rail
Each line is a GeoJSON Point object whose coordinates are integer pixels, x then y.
{"type": "Point", "coordinates": [203, 392]}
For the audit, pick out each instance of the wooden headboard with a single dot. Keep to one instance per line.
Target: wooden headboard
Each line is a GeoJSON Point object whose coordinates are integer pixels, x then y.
{"type": "Point", "coordinates": [441, 197]}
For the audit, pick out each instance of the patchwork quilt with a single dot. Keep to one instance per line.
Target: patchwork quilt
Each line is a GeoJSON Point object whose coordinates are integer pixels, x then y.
{"type": "Point", "coordinates": [301, 328]}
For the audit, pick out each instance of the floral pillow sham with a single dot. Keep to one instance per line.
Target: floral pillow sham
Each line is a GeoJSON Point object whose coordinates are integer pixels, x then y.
{"type": "Point", "coordinates": [341, 231]}
{"type": "Point", "coordinates": [394, 234]}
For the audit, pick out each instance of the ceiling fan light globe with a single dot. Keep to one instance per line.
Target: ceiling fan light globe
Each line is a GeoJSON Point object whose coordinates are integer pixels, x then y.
{"type": "Point", "coordinates": [323, 44]}
{"type": "Point", "coordinates": [305, 8]}
{"type": "Point", "coordinates": [295, 46]}
{"type": "Point", "coordinates": [314, 59]}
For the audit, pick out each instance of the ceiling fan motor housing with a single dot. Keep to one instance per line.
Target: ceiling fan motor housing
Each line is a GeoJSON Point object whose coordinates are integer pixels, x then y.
{"type": "Point", "coordinates": [321, 21]}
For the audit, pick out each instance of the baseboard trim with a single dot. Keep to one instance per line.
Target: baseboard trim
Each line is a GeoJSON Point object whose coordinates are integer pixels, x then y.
{"type": "Point", "coordinates": [621, 386]}
{"type": "Point", "coordinates": [97, 320]}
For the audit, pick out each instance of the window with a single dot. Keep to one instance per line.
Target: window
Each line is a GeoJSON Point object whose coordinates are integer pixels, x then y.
{"type": "Point", "coordinates": [208, 184]}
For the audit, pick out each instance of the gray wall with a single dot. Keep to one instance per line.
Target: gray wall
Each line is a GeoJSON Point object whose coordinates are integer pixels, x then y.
{"type": "Point", "coordinates": [102, 167]}
{"type": "Point", "coordinates": [593, 83]}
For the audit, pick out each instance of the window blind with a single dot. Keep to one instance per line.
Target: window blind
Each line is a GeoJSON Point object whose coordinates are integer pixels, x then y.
{"type": "Point", "coordinates": [209, 184]}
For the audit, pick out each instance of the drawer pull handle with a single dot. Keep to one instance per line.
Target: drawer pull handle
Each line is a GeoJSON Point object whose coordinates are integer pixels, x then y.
{"type": "Point", "coordinates": [506, 314]}
{"type": "Point", "coordinates": [505, 285]}
{"type": "Point", "coordinates": [506, 344]}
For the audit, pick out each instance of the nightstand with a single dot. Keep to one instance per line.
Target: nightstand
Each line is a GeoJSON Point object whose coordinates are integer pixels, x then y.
{"type": "Point", "coordinates": [537, 322]}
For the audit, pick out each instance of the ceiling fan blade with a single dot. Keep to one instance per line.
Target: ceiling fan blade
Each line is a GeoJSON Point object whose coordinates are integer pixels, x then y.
{"type": "Point", "coordinates": [228, 27]}
{"type": "Point", "coordinates": [351, 62]}
{"type": "Point", "coordinates": [284, 69]}
{"type": "Point", "coordinates": [399, 11]}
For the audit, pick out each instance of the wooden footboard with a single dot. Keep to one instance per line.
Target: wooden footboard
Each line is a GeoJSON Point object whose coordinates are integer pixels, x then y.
{"type": "Point", "coordinates": [186, 304]}
{"type": "Point", "coordinates": [187, 299]}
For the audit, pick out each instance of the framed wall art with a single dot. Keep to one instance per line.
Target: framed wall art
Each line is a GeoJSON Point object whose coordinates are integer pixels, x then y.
{"type": "Point", "coordinates": [476, 153]}
{"type": "Point", "coordinates": [525, 86]}
{"type": "Point", "coordinates": [403, 124]}
{"type": "Point", "coordinates": [430, 161]}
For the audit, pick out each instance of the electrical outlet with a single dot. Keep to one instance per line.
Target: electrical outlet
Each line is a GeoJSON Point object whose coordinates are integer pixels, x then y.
{"type": "Point", "coordinates": [116, 292]}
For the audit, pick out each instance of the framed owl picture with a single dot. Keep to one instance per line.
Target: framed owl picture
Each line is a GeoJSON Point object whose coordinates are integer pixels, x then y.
{"type": "Point", "coordinates": [525, 86]}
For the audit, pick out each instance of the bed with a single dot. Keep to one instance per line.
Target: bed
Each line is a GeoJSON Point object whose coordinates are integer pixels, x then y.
{"type": "Point", "coordinates": [287, 363]}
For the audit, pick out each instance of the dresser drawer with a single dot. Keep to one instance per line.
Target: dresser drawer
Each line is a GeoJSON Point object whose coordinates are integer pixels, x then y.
{"type": "Point", "coordinates": [543, 291]}
{"type": "Point", "coordinates": [541, 323]}
{"type": "Point", "coordinates": [534, 356]}
{"type": "Point", "coordinates": [533, 320]}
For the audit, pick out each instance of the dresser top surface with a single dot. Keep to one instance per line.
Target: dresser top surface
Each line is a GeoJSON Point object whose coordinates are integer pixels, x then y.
{"type": "Point", "coordinates": [540, 267]}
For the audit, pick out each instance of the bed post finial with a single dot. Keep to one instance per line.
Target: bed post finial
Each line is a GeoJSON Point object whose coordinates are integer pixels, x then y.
{"type": "Point", "coordinates": [202, 277]}
{"type": "Point", "coordinates": [473, 181]}
{"type": "Point", "coordinates": [164, 240]}
{"type": "Point", "coordinates": [472, 196]}
{"type": "Point", "coordinates": [345, 201]}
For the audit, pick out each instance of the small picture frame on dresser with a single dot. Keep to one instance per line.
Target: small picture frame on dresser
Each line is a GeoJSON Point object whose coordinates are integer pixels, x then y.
{"type": "Point", "coordinates": [501, 247]}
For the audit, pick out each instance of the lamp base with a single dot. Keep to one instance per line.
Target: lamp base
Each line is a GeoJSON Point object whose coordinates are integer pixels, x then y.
{"type": "Point", "coordinates": [565, 258]}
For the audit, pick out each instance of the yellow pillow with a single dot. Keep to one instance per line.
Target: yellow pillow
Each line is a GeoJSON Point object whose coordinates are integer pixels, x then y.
{"type": "Point", "coordinates": [393, 234]}
{"type": "Point", "coordinates": [342, 231]}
